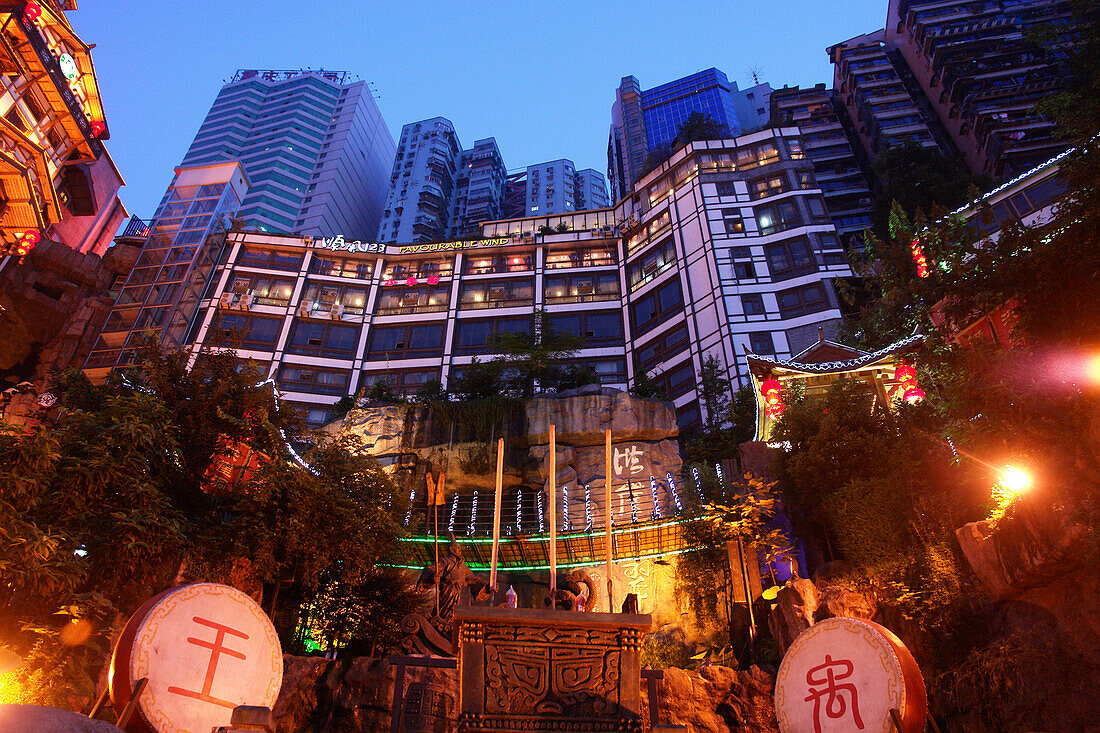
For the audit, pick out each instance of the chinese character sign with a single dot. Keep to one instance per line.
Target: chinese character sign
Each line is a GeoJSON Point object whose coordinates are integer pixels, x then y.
{"type": "Point", "coordinates": [845, 675]}
{"type": "Point", "coordinates": [204, 649]}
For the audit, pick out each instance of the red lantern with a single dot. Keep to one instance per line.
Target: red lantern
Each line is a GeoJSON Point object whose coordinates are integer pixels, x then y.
{"type": "Point", "coordinates": [31, 12]}
{"type": "Point", "coordinates": [98, 128]}
{"type": "Point", "coordinates": [25, 242]}
{"type": "Point", "coordinates": [919, 258]}
{"type": "Point", "coordinates": [907, 375]}
{"type": "Point", "coordinates": [772, 391]}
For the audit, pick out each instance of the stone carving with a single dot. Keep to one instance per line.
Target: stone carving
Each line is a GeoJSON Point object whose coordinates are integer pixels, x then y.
{"type": "Point", "coordinates": [450, 577]}
{"type": "Point", "coordinates": [548, 670]}
{"type": "Point", "coordinates": [428, 705]}
{"type": "Point", "coordinates": [570, 588]}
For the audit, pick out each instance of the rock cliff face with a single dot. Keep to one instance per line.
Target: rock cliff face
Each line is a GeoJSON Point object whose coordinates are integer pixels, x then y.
{"type": "Point", "coordinates": [356, 694]}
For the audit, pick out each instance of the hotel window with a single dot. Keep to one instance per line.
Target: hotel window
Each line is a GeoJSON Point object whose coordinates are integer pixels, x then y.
{"type": "Point", "coordinates": [726, 188]}
{"type": "Point", "coordinates": [800, 301]}
{"type": "Point", "coordinates": [317, 338]}
{"type": "Point", "coordinates": [744, 270]}
{"type": "Point", "coordinates": [732, 222]}
{"type": "Point", "coordinates": [677, 381]}
{"type": "Point", "coordinates": [777, 217]}
{"type": "Point", "coordinates": [323, 296]}
{"type": "Point", "coordinates": [496, 264]}
{"type": "Point", "coordinates": [789, 259]}
{"type": "Point", "coordinates": [265, 290]}
{"type": "Point", "coordinates": [413, 299]}
{"type": "Point", "coordinates": [406, 341]}
{"type": "Point", "coordinates": [794, 147]}
{"type": "Point", "coordinates": [753, 304]}
{"type": "Point", "coordinates": [757, 155]}
{"type": "Point", "coordinates": [761, 343]}
{"type": "Point", "coordinates": [595, 329]}
{"type": "Point", "coordinates": [582, 288]}
{"type": "Point", "coordinates": [479, 336]}
{"type": "Point", "coordinates": [314, 415]}
{"type": "Point", "coordinates": [662, 348]}
{"type": "Point", "coordinates": [251, 332]}
{"type": "Point", "coordinates": [294, 378]}
{"type": "Point", "coordinates": [651, 264]}
{"type": "Point", "coordinates": [767, 186]}
{"type": "Point", "coordinates": [497, 293]}
{"type": "Point", "coordinates": [341, 267]}
{"type": "Point", "coordinates": [404, 382]}
{"type": "Point", "coordinates": [269, 259]}
{"type": "Point", "coordinates": [419, 269]}
{"type": "Point", "coordinates": [588, 257]}
{"type": "Point", "coordinates": [607, 371]}
{"type": "Point", "coordinates": [657, 307]}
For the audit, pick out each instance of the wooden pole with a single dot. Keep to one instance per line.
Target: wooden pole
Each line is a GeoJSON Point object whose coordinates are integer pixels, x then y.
{"type": "Point", "coordinates": [609, 515]}
{"type": "Point", "coordinates": [553, 517]}
{"type": "Point", "coordinates": [496, 519]}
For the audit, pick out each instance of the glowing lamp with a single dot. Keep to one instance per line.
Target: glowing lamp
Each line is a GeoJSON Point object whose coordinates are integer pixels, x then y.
{"type": "Point", "coordinates": [772, 391]}
{"type": "Point", "coordinates": [1015, 480]}
{"type": "Point", "coordinates": [913, 395]}
{"type": "Point", "coordinates": [919, 258]}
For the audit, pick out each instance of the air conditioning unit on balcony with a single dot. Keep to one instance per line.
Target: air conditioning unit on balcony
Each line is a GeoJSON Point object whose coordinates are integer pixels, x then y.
{"type": "Point", "coordinates": [245, 301]}
{"type": "Point", "coordinates": [409, 299]}
{"type": "Point", "coordinates": [584, 287]}
{"type": "Point", "coordinates": [336, 311]}
{"type": "Point", "coordinates": [865, 202]}
{"type": "Point", "coordinates": [305, 309]}
{"type": "Point", "coordinates": [226, 301]}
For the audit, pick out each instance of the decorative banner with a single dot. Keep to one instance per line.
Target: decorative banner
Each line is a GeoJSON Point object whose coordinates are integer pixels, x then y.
{"type": "Point", "coordinates": [844, 675]}
{"type": "Point", "coordinates": [204, 649]}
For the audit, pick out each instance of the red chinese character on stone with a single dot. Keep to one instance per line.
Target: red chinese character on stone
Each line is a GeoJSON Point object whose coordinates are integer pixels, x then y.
{"type": "Point", "coordinates": [836, 704]}
{"type": "Point", "coordinates": [216, 651]}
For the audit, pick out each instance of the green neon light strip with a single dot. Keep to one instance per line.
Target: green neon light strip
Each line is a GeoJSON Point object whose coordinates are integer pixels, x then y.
{"type": "Point", "coordinates": [429, 539]}
{"type": "Point", "coordinates": [590, 563]}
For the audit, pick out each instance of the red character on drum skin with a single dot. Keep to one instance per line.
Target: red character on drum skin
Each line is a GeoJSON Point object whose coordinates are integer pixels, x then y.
{"type": "Point", "coordinates": [216, 650]}
{"type": "Point", "coordinates": [836, 705]}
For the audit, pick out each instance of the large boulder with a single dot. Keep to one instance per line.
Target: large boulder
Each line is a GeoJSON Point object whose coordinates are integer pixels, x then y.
{"type": "Point", "coordinates": [582, 419]}
{"type": "Point", "coordinates": [719, 700]}
{"type": "Point", "coordinates": [380, 427]}
{"type": "Point", "coordinates": [793, 612]}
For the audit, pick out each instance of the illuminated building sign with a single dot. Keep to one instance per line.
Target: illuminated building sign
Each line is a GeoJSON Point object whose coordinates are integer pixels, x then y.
{"type": "Point", "coordinates": [339, 244]}
{"type": "Point", "coordinates": [283, 74]}
{"type": "Point", "coordinates": [68, 87]}
{"type": "Point", "coordinates": [410, 281]}
{"type": "Point", "coordinates": [413, 249]}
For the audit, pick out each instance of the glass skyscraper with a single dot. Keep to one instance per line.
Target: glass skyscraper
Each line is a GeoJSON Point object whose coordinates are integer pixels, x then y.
{"type": "Point", "coordinates": [668, 106]}
{"type": "Point", "coordinates": [646, 120]}
{"type": "Point", "coordinates": [314, 146]}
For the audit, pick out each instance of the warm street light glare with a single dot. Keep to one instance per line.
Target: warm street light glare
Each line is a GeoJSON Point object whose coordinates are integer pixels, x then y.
{"type": "Point", "coordinates": [1015, 481]}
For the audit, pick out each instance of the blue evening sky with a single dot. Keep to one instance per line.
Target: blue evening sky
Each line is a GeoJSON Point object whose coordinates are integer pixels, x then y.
{"type": "Point", "coordinates": [540, 77]}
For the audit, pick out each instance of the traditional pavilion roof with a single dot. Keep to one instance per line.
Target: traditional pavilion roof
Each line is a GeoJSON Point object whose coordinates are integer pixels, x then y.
{"type": "Point", "coordinates": [829, 357]}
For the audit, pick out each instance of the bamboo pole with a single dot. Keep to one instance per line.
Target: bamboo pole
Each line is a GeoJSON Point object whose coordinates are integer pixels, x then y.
{"type": "Point", "coordinates": [496, 519]}
{"type": "Point", "coordinates": [553, 517]}
{"type": "Point", "coordinates": [608, 512]}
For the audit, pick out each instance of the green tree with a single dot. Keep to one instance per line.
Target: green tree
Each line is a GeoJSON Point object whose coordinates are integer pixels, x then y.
{"type": "Point", "coordinates": [920, 180]}
{"type": "Point", "coordinates": [106, 506]}
{"type": "Point", "coordinates": [533, 361]}
{"type": "Point", "coordinates": [698, 126]}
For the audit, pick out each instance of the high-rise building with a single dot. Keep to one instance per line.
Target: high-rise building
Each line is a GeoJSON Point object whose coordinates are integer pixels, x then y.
{"type": "Point", "coordinates": [724, 249]}
{"type": "Point", "coordinates": [751, 106]}
{"type": "Point", "coordinates": [172, 274]}
{"type": "Point", "coordinates": [591, 190]}
{"type": "Point", "coordinates": [557, 187]}
{"type": "Point", "coordinates": [827, 145]}
{"type": "Point", "coordinates": [982, 73]}
{"type": "Point", "coordinates": [877, 94]}
{"type": "Point", "coordinates": [313, 144]}
{"type": "Point", "coordinates": [646, 120]}
{"type": "Point", "coordinates": [479, 188]}
{"type": "Point", "coordinates": [421, 187]}
{"type": "Point", "coordinates": [964, 77]}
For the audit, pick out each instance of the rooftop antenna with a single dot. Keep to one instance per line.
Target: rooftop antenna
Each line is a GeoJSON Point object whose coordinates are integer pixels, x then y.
{"type": "Point", "coordinates": [754, 74]}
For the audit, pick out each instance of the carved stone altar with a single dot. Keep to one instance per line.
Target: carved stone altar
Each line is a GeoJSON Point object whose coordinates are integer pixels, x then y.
{"type": "Point", "coordinates": [522, 669]}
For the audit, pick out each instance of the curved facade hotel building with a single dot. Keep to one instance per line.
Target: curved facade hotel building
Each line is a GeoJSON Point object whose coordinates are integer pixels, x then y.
{"type": "Point", "coordinates": [725, 249]}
